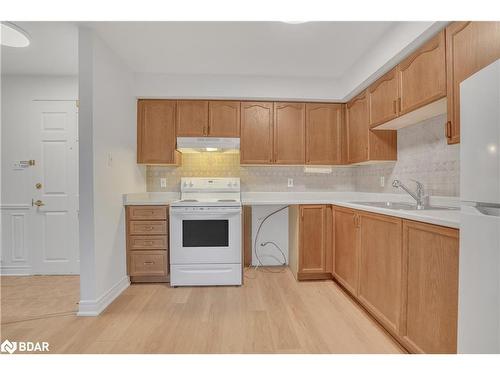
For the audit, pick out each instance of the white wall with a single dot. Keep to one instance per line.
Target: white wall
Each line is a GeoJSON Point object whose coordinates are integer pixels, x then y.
{"type": "Point", "coordinates": [383, 55]}
{"type": "Point", "coordinates": [234, 87]}
{"type": "Point", "coordinates": [18, 94]}
{"type": "Point", "coordinates": [275, 229]}
{"type": "Point", "coordinates": [108, 169]}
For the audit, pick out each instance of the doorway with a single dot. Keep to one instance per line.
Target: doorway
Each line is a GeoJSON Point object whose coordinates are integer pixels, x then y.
{"type": "Point", "coordinates": [55, 187]}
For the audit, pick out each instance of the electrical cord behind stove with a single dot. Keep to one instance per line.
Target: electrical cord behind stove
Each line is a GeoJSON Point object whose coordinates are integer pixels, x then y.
{"type": "Point", "coordinates": [260, 264]}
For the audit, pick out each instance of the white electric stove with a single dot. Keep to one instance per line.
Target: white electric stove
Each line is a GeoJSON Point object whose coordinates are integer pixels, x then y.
{"type": "Point", "coordinates": [205, 233]}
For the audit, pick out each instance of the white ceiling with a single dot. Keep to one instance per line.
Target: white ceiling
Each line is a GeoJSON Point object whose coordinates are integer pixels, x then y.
{"type": "Point", "coordinates": [53, 50]}
{"type": "Point", "coordinates": [317, 60]}
{"type": "Point", "coordinates": [313, 49]}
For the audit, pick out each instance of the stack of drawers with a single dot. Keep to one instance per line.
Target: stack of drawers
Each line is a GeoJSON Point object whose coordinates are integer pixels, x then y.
{"type": "Point", "coordinates": [147, 243]}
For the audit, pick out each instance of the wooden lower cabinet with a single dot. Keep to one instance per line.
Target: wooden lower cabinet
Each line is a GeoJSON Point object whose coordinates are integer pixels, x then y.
{"type": "Point", "coordinates": [380, 267]}
{"type": "Point", "coordinates": [345, 248]}
{"type": "Point", "coordinates": [310, 227]}
{"type": "Point", "coordinates": [404, 273]}
{"type": "Point", "coordinates": [430, 305]}
{"type": "Point", "coordinates": [148, 263]}
{"type": "Point", "coordinates": [147, 243]}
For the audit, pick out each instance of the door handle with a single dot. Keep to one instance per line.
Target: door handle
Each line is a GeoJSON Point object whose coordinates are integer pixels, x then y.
{"type": "Point", "coordinates": [37, 203]}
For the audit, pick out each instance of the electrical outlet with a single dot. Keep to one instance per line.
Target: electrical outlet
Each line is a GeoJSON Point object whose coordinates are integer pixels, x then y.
{"type": "Point", "coordinates": [163, 182]}
{"type": "Point", "coordinates": [382, 181]}
{"type": "Point", "coordinates": [290, 182]}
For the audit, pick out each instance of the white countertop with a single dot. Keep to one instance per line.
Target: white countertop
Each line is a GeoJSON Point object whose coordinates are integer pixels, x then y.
{"type": "Point", "coordinates": [438, 217]}
{"type": "Point", "coordinates": [145, 199]}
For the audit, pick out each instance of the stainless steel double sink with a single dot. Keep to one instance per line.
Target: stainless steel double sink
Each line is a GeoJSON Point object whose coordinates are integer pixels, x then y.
{"type": "Point", "coordinates": [405, 206]}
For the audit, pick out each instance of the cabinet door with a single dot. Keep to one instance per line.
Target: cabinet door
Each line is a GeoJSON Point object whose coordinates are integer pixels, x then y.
{"type": "Point", "coordinates": [430, 304]}
{"type": "Point", "coordinates": [380, 267]}
{"type": "Point", "coordinates": [323, 133]}
{"type": "Point", "coordinates": [357, 129]}
{"type": "Point", "coordinates": [256, 141]}
{"type": "Point", "coordinates": [383, 99]}
{"type": "Point", "coordinates": [192, 118]}
{"type": "Point", "coordinates": [422, 76]}
{"type": "Point", "coordinates": [312, 239]}
{"type": "Point", "coordinates": [289, 133]}
{"type": "Point", "coordinates": [345, 248]}
{"type": "Point", "coordinates": [224, 119]}
{"type": "Point", "coordinates": [156, 132]}
{"type": "Point", "coordinates": [470, 46]}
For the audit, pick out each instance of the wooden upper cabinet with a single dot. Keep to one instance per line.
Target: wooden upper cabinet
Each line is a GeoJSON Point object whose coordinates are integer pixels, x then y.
{"type": "Point", "coordinates": [357, 129]}
{"type": "Point", "coordinates": [313, 241]}
{"type": "Point", "coordinates": [383, 99]}
{"type": "Point", "coordinates": [470, 46]}
{"type": "Point", "coordinates": [380, 267]}
{"type": "Point", "coordinates": [156, 132]}
{"type": "Point", "coordinates": [422, 75]}
{"type": "Point", "coordinates": [289, 133]}
{"type": "Point", "coordinates": [224, 119]}
{"type": "Point", "coordinates": [430, 304]}
{"type": "Point", "coordinates": [345, 248]}
{"type": "Point", "coordinates": [323, 133]}
{"type": "Point", "coordinates": [256, 143]}
{"type": "Point", "coordinates": [192, 118]}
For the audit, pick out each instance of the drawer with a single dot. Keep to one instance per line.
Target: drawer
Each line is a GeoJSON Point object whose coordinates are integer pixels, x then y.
{"type": "Point", "coordinates": [147, 242]}
{"type": "Point", "coordinates": [147, 212]}
{"type": "Point", "coordinates": [148, 263]}
{"type": "Point", "coordinates": [147, 227]}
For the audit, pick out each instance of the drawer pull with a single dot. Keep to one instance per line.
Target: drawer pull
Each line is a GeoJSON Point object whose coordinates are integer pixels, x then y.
{"type": "Point", "coordinates": [149, 262]}
{"type": "Point", "coordinates": [148, 243]}
{"type": "Point", "coordinates": [148, 228]}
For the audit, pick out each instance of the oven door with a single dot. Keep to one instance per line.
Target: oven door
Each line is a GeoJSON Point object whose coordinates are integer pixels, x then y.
{"type": "Point", "coordinates": [201, 235]}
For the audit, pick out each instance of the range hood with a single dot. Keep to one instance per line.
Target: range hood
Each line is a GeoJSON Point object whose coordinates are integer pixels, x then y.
{"type": "Point", "coordinates": [207, 144]}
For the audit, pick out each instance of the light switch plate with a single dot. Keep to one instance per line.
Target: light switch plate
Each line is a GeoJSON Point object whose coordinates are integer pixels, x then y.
{"type": "Point", "coordinates": [163, 182]}
{"type": "Point", "coordinates": [290, 182]}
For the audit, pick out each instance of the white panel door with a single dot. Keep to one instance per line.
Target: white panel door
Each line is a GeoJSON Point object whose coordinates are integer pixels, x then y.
{"type": "Point", "coordinates": [55, 188]}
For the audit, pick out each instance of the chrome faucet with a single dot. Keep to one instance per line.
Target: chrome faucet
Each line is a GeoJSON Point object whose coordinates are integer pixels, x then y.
{"type": "Point", "coordinates": [418, 195]}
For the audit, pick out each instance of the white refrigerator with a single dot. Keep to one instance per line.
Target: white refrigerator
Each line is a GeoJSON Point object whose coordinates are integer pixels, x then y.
{"type": "Point", "coordinates": [479, 260]}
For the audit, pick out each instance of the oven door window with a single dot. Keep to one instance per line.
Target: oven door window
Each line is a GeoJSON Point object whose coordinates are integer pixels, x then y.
{"type": "Point", "coordinates": [205, 233]}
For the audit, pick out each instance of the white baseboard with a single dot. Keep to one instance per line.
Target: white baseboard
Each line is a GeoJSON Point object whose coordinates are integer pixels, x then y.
{"type": "Point", "coordinates": [95, 307]}
{"type": "Point", "coordinates": [15, 271]}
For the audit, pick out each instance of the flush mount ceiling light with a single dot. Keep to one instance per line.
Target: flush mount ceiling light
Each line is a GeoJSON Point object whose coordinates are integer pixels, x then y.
{"type": "Point", "coordinates": [12, 35]}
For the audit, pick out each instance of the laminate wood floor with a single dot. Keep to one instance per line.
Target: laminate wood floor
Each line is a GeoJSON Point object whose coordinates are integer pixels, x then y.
{"type": "Point", "coordinates": [271, 313]}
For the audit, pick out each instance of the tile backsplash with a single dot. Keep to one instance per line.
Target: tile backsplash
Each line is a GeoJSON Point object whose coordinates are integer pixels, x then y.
{"type": "Point", "coordinates": [423, 154]}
